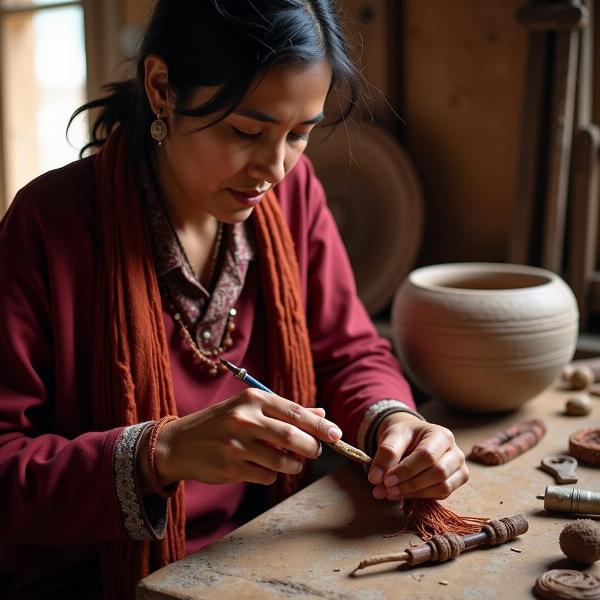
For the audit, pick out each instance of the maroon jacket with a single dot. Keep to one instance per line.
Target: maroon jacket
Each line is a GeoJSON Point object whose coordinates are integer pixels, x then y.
{"type": "Point", "coordinates": [57, 491]}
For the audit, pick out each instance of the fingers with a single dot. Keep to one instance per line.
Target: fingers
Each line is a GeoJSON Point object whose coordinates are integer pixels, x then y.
{"type": "Point", "coordinates": [279, 434]}
{"type": "Point", "coordinates": [274, 459]}
{"type": "Point", "coordinates": [253, 473]}
{"type": "Point", "coordinates": [434, 443]}
{"type": "Point", "coordinates": [441, 490]}
{"type": "Point", "coordinates": [442, 478]}
{"type": "Point", "coordinates": [293, 426]}
{"type": "Point", "coordinates": [254, 462]}
{"type": "Point", "coordinates": [432, 467]}
{"type": "Point", "coordinates": [389, 452]}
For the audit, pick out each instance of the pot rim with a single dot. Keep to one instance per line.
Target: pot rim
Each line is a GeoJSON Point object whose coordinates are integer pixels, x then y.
{"type": "Point", "coordinates": [418, 277]}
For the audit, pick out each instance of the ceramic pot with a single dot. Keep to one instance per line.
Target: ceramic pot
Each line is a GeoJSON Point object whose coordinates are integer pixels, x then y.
{"type": "Point", "coordinates": [484, 337]}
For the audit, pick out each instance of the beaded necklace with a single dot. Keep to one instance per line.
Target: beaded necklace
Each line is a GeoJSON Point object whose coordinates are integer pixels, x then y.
{"type": "Point", "coordinates": [207, 358]}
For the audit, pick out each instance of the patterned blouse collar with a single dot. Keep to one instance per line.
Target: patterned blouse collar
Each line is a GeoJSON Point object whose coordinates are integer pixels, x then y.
{"type": "Point", "coordinates": [205, 313]}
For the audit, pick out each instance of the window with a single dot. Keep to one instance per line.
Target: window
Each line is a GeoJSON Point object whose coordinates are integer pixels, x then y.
{"type": "Point", "coordinates": [50, 63]}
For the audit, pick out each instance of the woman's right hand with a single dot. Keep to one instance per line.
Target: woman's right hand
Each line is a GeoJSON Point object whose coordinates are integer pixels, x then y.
{"type": "Point", "coordinates": [251, 437]}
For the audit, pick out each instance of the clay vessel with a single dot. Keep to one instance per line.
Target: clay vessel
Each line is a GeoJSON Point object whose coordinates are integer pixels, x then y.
{"type": "Point", "coordinates": [484, 337]}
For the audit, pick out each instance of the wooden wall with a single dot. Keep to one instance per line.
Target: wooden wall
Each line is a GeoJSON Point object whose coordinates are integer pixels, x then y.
{"type": "Point", "coordinates": [135, 12]}
{"type": "Point", "coordinates": [462, 87]}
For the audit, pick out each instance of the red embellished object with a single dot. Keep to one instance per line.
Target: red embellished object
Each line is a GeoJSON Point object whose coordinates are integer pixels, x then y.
{"type": "Point", "coordinates": [510, 443]}
{"type": "Point", "coordinates": [154, 483]}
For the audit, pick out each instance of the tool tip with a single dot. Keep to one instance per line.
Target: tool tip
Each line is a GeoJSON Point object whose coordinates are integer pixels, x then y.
{"type": "Point", "coordinates": [228, 364]}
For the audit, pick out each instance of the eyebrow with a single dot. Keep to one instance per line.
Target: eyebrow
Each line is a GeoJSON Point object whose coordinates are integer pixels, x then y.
{"type": "Point", "coordinates": [260, 116]}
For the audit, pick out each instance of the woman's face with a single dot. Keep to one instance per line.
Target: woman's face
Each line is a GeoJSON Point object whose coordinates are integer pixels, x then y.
{"type": "Point", "coordinates": [225, 169]}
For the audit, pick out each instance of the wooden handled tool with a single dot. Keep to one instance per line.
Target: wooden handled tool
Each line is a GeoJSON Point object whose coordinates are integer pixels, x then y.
{"type": "Point", "coordinates": [350, 452]}
{"type": "Point", "coordinates": [341, 447]}
{"type": "Point", "coordinates": [447, 546]}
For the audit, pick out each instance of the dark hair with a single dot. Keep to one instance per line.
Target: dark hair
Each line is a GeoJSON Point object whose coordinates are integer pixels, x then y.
{"type": "Point", "coordinates": [227, 43]}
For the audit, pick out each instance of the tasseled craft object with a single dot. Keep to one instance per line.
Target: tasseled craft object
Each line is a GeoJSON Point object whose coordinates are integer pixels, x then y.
{"type": "Point", "coordinates": [449, 546]}
{"type": "Point", "coordinates": [430, 518]}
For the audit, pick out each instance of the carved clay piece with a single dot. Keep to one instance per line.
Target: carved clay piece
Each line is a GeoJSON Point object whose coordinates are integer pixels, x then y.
{"type": "Point", "coordinates": [508, 444]}
{"type": "Point", "coordinates": [584, 445]}
{"type": "Point", "coordinates": [566, 584]}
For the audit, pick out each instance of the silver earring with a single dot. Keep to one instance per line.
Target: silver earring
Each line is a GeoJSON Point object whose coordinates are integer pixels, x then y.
{"type": "Point", "coordinates": [158, 130]}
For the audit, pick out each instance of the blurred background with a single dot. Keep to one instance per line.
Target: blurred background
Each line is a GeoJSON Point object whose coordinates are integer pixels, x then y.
{"type": "Point", "coordinates": [478, 143]}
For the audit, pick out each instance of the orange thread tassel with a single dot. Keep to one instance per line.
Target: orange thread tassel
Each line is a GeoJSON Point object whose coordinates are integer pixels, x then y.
{"type": "Point", "coordinates": [431, 518]}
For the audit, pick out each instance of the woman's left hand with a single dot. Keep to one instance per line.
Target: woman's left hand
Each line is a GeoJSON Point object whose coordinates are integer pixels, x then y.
{"type": "Point", "coordinates": [415, 459]}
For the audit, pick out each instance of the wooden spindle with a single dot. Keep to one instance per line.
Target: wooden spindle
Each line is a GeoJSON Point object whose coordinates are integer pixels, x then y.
{"type": "Point", "coordinates": [449, 545]}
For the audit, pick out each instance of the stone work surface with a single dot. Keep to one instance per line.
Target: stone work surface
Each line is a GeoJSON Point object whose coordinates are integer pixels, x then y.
{"type": "Point", "coordinates": [307, 546]}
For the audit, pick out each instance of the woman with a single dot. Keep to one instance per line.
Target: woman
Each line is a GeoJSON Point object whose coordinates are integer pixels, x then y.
{"type": "Point", "coordinates": [197, 232]}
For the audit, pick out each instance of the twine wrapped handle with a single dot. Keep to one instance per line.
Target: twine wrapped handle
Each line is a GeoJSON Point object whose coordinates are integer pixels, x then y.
{"type": "Point", "coordinates": [448, 546]}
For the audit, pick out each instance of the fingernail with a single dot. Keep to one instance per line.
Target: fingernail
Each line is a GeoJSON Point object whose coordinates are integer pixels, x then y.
{"type": "Point", "coordinates": [395, 491]}
{"type": "Point", "coordinates": [335, 433]}
{"type": "Point", "coordinates": [390, 481]}
{"type": "Point", "coordinates": [379, 493]}
{"type": "Point", "coordinates": [319, 451]}
{"type": "Point", "coordinates": [375, 475]}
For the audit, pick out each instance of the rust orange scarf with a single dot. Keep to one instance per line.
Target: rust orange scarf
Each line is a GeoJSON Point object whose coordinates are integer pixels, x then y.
{"type": "Point", "coordinates": [132, 376]}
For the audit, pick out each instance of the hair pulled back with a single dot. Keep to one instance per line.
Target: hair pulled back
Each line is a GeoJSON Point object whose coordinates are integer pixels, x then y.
{"type": "Point", "coordinates": [225, 43]}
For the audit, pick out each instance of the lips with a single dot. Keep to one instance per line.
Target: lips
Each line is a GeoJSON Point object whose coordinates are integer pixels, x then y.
{"type": "Point", "coordinates": [248, 199]}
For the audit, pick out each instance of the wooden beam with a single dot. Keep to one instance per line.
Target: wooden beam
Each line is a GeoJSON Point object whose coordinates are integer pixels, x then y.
{"type": "Point", "coordinates": [528, 165]}
{"type": "Point", "coordinates": [555, 16]}
{"type": "Point", "coordinates": [584, 216]}
{"type": "Point", "coordinates": [564, 82]}
{"type": "Point", "coordinates": [583, 109]}
{"type": "Point", "coordinates": [102, 22]}
{"type": "Point", "coordinates": [595, 293]}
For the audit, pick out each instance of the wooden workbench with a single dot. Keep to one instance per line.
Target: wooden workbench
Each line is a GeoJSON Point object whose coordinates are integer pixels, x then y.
{"type": "Point", "coordinates": [307, 546]}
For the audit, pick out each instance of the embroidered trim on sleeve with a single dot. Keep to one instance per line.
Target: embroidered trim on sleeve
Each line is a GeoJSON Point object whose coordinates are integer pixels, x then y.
{"type": "Point", "coordinates": [125, 477]}
{"type": "Point", "coordinates": [373, 417]}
